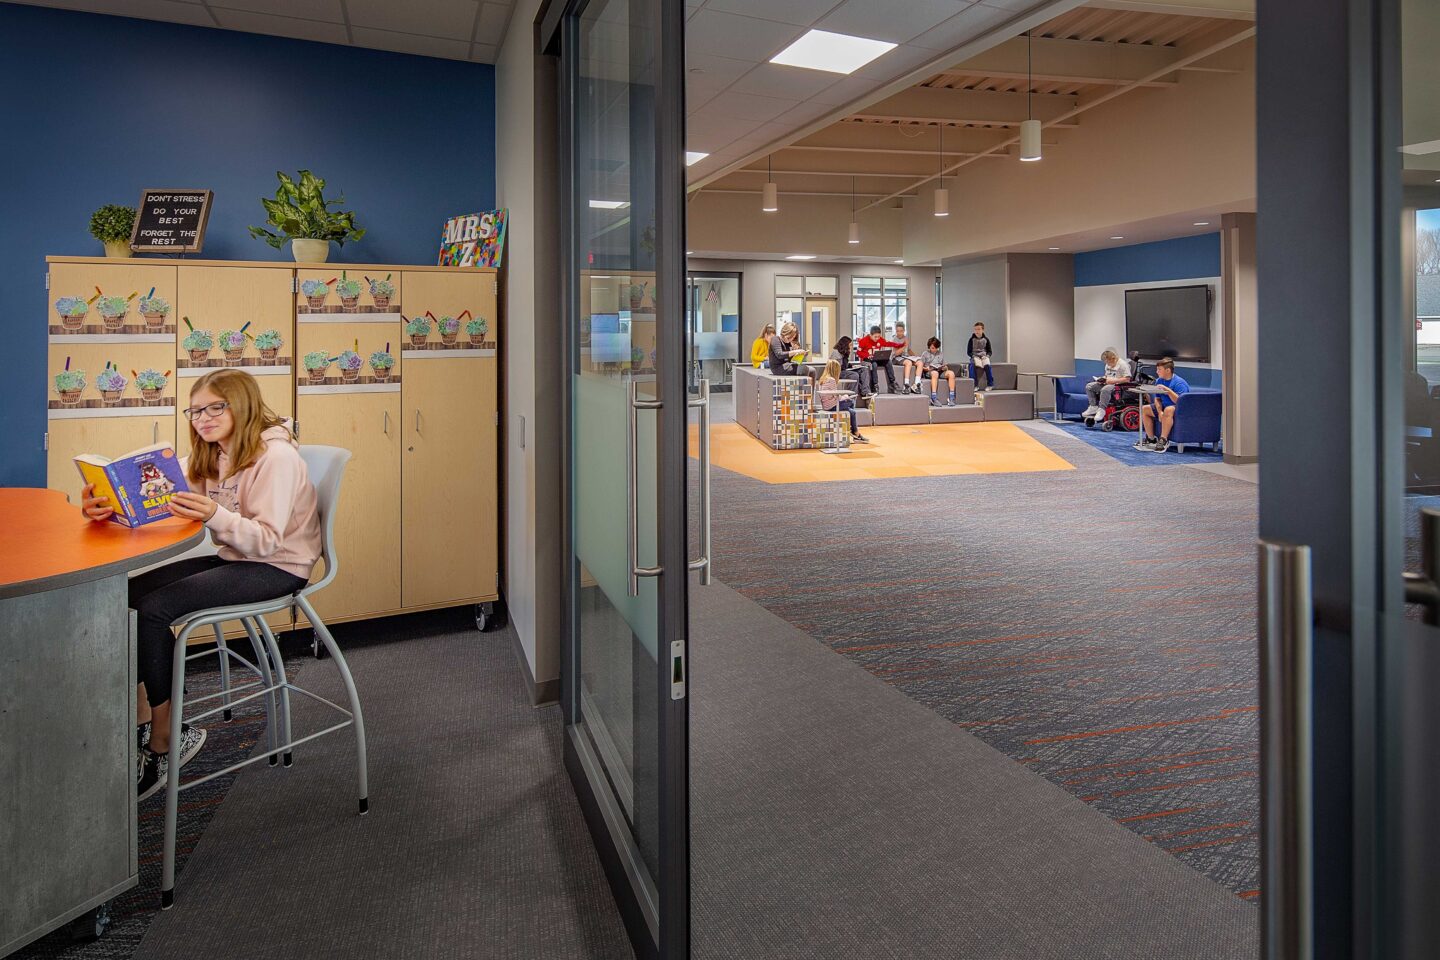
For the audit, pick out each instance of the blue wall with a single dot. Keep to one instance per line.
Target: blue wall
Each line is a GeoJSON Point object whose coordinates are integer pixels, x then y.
{"type": "Point", "coordinates": [222, 110]}
{"type": "Point", "coordinates": [1178, 259]}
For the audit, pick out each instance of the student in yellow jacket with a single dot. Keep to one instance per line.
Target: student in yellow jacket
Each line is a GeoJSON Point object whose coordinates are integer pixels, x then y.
{"type": "Point", "coordinates": [760, 349]}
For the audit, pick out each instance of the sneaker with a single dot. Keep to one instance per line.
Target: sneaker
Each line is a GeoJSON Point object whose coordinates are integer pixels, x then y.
{"type": "Point", "coordinates": [154, 771]}
{"type": "Point", "coordinates": [859, 439]}
{"type": "Point", "coordinates": [949, 401]}
{"type": "Point", "coordinates": [1144, 443]}
{"type": "Point", "coordinates": [1089, 422]}
{"type": "Point", "coordinates": [142, 740]}
{"type": "Point", "coordinates": [191, 740]}
{"type": "Point", "coordinates": [1160, 446]}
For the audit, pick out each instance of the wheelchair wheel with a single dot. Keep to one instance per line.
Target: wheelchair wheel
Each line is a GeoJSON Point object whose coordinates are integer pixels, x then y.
{"type": "Point", "coordinates": [1130, 418]}
{"type": "Point", "coordinates": [1108, 424]}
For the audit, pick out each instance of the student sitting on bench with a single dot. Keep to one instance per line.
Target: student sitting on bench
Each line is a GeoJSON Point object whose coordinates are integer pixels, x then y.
{"type": "Point", "coordinates": [932, 363]}
{"type": "Point", "coordinates": [849, 369]}
{"type": "Point", "coordinates": [979, 350]}
{"type": "Point", "coordinates": [872, 349]}
{"type": "Point", "coordinates": [760, 349]}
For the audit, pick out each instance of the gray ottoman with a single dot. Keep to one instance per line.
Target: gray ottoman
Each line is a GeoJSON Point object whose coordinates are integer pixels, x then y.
{"type": "Point", "coordinates": [1008, 404]}
{"type": "Point", "coordinates": [961, 413]}
{"type": "Point", "coordinates": [863, 417]}
{"type": "Point", "coordinates": [893, 409]}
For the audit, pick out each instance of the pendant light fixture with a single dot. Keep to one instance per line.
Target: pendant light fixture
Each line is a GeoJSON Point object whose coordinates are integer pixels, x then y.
{"type": "Point", "coordinates": [1030, 127]}
{"type": "Point", "coordinates": [942, 195]}
{"type": "Point", "coordinates": [770, 202]}
{"type": "Point", "coordinates": [854, 227]}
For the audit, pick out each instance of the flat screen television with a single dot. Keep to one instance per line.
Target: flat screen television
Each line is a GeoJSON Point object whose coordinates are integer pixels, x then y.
{"type": "Point", "coordinates": [1169, 322]}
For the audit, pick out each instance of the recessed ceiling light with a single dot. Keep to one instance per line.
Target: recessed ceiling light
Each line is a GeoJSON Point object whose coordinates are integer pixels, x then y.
{"type": "Point", "coordinates": [831, 52]}
{"type": "Point", "coordinates": [599, 276]}
{"type": "Point", "coordinates": [693, 157]}
{"type": "Point", "coordinates": [900, 261]}
{"type": "Point", "coordinates": [609, 204]}
{"type": "Point", "coordinates": [1202, 223]}
{"type": "Point", "coordinates": [689, 252]}
{"type": "Point", "coordinates": [1117, 238]}
{"type": "Point", "coordinates": [1054, 248]}
{"type": "Point", "coordinates": [801, 256]}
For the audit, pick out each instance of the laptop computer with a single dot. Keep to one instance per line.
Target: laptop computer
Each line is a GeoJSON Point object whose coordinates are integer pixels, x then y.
{"type": "Point", "coordinates": [881, 355]}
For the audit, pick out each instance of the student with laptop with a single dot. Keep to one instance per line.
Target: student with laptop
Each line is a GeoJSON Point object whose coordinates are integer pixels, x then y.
{"type": "Point", "coordinates": [879, 353]}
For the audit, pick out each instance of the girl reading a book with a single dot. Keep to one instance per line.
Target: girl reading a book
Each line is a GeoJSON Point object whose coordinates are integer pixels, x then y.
{"type": "Point", "coordinates": [251, 488]}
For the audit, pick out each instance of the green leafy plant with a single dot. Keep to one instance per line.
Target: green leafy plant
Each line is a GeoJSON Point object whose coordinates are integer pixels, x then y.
{"type": "Point", "coordinates": [151, 379]}
{"type": "Point", "coordinates": [448, 325]}
{"type": "Point", "coordinates": [154, 305]}
{"type": "Point", "coordinates": [269, 340]}
{"type": "Point", "coordinates": [72, 307]}
{"type": "Point", "coordinates": [112, 306]}
{"type": "Point", "coordinates": [315, 288]}
{"type": "Point", "coordinates": [232, 340]}
{"type": "Point", "coordinates": [111, 379]}
{"type": "Point", "coordinates": [381, 360]}
{"type": "Point", "coordinates": [300, 211]}
{"type": "Point", "coordinates": [418, 327]}
{"type": "Point", "coordinates": [382, 288]}
{"type": "Point", "coordinates": [317, 360]}
{"type": "Point", "coordinates": [476, 327]}
{"type": "Point", "coordinates": [347, 288]}
{"type": "Point", "coordinates": [112, 223]}
{"type": "Point", "coordinates": [198, 340]}
{"type": "Point", "coordinates": [350, 360]}
{"type": "Point", "coordinates": [69, 380]}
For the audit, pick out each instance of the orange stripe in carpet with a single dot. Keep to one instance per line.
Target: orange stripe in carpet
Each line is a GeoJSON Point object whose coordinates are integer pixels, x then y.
{"type": "Point", "coordinates": [1185, 783]}
{"type": "Point", "coordinates": [1149, 759]}
{"type": "Point", "coordinates": [1214, 843]}
{"type": "Point", "coordinates": [1194, 830]}
{"type": "Point", "coordinates": [1223, 714]}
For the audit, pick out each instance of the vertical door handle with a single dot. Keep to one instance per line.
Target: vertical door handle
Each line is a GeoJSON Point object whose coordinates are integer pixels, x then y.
{"type": "Point", "coordinates": [1286, 760]}
{"type": "Point", "coordinates": [633, 405]}
{"type": "Point", "coordinates": [702, 403]}
{"type": "Point", "coordinates": [154, 431]}
{"type": "Point", "coordinates": [417, 421]}
{"type": "Point", "coordinates": [385, 424]}
{"type": "Point", "coordinates": [1423, 586]}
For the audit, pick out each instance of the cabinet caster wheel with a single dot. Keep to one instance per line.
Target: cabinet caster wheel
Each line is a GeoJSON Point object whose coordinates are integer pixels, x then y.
{"type": "Point", "coordinates": [317, 649]}
{"type": "Point", "coordinates": [482, 619]}
{"type": "Point", "coordinates": [89, 926]}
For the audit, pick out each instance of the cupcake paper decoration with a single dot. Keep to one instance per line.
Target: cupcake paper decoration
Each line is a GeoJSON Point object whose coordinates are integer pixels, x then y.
{"type": "Point", "coordinates": [111, 384]}
{"type": "Point", "coordinates": [72, 312]}
{"type": "Point", "coordinates": [418, 330]}
{"type": "Point", "coordinates": [475, 330]}
{"type": "Point", "coordinates": [112, 311]}
{"type": "Point", "coordinates": [316, 363]}
{"type": "Point", "coordinates": [232, 342]}
{"type": "Point", "coordinates": [381, 361]}
{"type": "Point", "coordinates": [349, 293]}
{"type": "Point", "coordinates": [150, 382]}
{"type": "Point", "coordinates": [449, 329]}
{"type": "Point", "coordinates": [154, 309]}
{"type": "Point", "coordinates": [350, 363]}
{"type": "Point", "coordinates": [69, 384]}
{"type": "Point", "coordinates": [269, 344]}
{"type": "Point", "coordinates": [381, 291]}
{"type": "Point", "coordinates": [315, 292]}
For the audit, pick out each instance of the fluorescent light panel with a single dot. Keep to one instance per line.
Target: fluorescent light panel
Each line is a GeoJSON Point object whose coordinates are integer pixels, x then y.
{"type": "Point", "coordinates": [609, 204]}
{"type": "Point", "coordinates": [801, 256]}
{"type": "Point", "coordinates": [693, 157]}
{"type": "Point", "coordinates": [831, 52]}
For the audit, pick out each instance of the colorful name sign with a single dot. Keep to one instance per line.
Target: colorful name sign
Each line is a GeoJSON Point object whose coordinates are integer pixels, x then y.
{"type": "Point", "coordinates": [473, 240]}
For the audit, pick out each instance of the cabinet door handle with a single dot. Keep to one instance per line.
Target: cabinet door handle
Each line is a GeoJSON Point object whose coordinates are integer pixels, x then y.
{"type": "Point", "coordinates": [154, 431]}
{"type": "Point", "coordinates": [387, 423]}
{"type": "Point", "coordinates": [417, 421]}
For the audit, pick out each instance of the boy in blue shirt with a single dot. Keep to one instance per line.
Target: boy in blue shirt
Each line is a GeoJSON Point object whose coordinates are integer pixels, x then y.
{"type": "Point", "coordinates": [1162, 408]}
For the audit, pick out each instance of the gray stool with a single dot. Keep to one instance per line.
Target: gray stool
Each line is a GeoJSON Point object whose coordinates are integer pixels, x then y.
{"type": "Point", "coordinates": [326, 466]}
{"type": "Point", "coordinates": [1008, 404]}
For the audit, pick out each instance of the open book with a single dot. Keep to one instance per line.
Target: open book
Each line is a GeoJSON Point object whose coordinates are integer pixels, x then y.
{"type": "Point", "coordinates": [138, 485]}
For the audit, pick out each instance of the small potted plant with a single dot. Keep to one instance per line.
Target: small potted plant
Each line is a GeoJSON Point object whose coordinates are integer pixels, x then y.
{"type": "Point", "coordinates": [349, 292]}
{"type": "Point", "coordinates": [111, 384]}
{"type": "Point", "coordinates": [382, 363]}
{"type": "Point", "coordinates": [69, 384]}
{"type": "Point", "coordinates": [315, 293]}
{"type": "Point", "coordinates": [449, 329]}
{"type": "Point", "coordinates": [72, 312]}
{"type": "Point", "coordinates": [381, 291]}
{"type": "Point", "coordinates": [419, 331]}
{"type": "Point", "coordinates": [637, 295]}
{"type": "Point", "coordinates": [197, 343]}
{"type": "Point", "coordinates": [316, 363]}
{"type": "Point", "coordinates": [269, 344]}
{"type": "Point", "coordinates": [150, 382]}
{"type": "Point", "coordinates": [350, 363]}
{"type": "Point", "coordinates": [233, 343]}
{"type": "Point", "coordinates": [475, 330]}
{"type": "Point", "coordinates": [154, 309]}
{"type": "Point", "coordinates": [301, 215]}
{"type": "Point", "coordinates": [112, 226]}
{"type": "Point", "coordinates": [112, 312]}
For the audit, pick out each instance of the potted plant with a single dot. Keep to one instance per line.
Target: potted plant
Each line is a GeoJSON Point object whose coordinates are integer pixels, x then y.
{"type": "Point", "coordinates": [449, 329]}
{"type": "Point", "coordinates": [69, 384]}
{"type": "Point", "coordinates": [154, 310]}
{"type": "Point", "coordinates": [198, 344]}
{"type": "Point", "coordinates": [150, 382]}
{"type": "Point", "coordinates": [111, 384]}
{"type": "Point", "coordinates": [418, 330]}
{"type": "Point", "coordinates": [112, 226]}
{"type": "Point", "coordinates": [72, 312]}
{"type": "Point", "coordinates": [269, 344]}
{"type": "Point", "coordinates": [381, 291]}
{"type": "Point", "coordinates": [233, 343]}
{"type": "Point", "coordinates": [475, 330]}
{"type": "Point", "coordinates": [637, 295]}
{"type": "Point", "coordinates": [301, 214]}
{"type": "Point", "coordinates": [315, 293]}
{"type": "Point", "coordinates": [382, 363]}
{"type": "Point", "coordinates": [112, 312]}
{"type": "Point", "coordinates": [316, 363]}
{"type": "Point", "coordinates": [349, 292]}
{"type": "Point", "coordinates": [349, 363]}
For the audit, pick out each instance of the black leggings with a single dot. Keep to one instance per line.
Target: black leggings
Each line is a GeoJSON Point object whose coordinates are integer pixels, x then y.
{"type": "Point", "coordinates": [163, 595]}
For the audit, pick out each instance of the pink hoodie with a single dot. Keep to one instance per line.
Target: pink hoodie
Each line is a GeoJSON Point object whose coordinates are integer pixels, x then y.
{"type": "Point", "coordinates": [267, 512]}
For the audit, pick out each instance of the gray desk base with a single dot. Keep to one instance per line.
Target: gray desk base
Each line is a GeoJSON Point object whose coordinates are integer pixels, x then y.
{"type": "Point", "coordinates": [67, 746]}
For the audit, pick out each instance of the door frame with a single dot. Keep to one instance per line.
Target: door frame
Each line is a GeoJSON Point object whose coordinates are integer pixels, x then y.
{"type": "Point", "coordinates": [658, 928]}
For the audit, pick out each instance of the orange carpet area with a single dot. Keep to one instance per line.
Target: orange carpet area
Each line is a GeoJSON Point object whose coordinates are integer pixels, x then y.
{"type": "Point", "coordinates": [927, 450]}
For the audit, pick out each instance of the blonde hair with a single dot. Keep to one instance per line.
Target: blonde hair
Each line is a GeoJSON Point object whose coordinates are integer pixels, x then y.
{"type": "Point", "coordinates": [252, 417]}
{"type": "Point", "coordinates": [767, 330]}
{"type": "Point", "coordinates": [789, 330]}
{"type": "Point", "coordinates": [831, 371]}
{"type": "Point", "coordinates": [1109, 356]}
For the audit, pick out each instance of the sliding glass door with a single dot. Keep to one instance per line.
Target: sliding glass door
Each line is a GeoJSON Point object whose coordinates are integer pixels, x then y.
{"type": "Point", "coordinates": [624, 670]}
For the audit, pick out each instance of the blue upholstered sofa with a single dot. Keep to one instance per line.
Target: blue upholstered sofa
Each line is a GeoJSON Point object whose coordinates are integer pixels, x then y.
{"type": "Point", "coordinates": [1197, 418]}
{"type": "Point", "coordinates": [1070, 397]}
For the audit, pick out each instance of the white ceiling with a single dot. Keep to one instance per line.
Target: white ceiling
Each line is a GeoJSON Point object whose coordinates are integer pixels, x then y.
{"type": "Point", "coordinates": [450, 29]}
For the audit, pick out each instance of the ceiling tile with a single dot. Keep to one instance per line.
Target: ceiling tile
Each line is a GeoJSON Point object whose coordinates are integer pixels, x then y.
{"type": "Point", "coordinates": [327, 10]}
{"type": "Point", "coordinates": [961, 28]}
{"type": "Point", "coordinates": [432, 18]}
{"type": "Point", "coordinates": [1014, 6]}
{"type": "Point", "coordinates": [167, 10]}
{"type": "Point", "coordinates": [802, 12]}
{"type": "Point", "coordinates": [741, 38]}
{"type": "Point", "coordinates": [409, 43]}
{"type": "Point", "coordinates": [896, 63]}
{"type": "Point", "coordinates": [845, 91]}
{"type": "Point", "coordinates": [493, 19]}
{"type": "Point", "coordinates": [712, 134]}
{"type": "Point", "coordinates": [895, 22]}
{"type": "Point", "coordinates": [281, 26]}
{"type": "Point", "coordinates": [774, 79]}
{"type": "Point", "coordinates": [748, 106]}
{"type": "Point", "coordinates": [485, 53]}
{"type": "Point", "coordinates": [725, 69]}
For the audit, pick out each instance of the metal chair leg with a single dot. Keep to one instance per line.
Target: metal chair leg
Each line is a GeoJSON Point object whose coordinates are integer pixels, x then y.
{"type": "Point", "coordinates": [262, 660]}
{"type": "Point", "coordinates": [279, 663]}
{"type": "Point", "coordinates": [323, 633]}
{"type": "Point", "coordinates": [224, 669]}
{"type": "Point", "coordinates": [172, 782]}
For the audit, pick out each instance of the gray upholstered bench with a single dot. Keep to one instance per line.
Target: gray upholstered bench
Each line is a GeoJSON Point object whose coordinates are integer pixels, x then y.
{"type": "Point", "coordinates": [964, 389]}
{"type": "Point", "coordinates": [894, 409]}
{"type": "Point", "coordinates": [1008, 404]}
{"type": "Point", "coordinates": [960, 413]}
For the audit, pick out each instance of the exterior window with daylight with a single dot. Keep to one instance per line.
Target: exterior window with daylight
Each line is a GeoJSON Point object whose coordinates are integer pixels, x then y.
{"type": "Point", "coordinates": [879, 301]}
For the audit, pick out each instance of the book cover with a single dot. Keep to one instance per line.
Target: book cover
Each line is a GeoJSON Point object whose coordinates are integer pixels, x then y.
{"type": "Point", "coordinates": [139, 485]}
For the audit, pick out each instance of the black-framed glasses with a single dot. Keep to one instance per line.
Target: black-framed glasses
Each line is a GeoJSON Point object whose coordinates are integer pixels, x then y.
{"type": "Point", "coordinates": [211, 410]}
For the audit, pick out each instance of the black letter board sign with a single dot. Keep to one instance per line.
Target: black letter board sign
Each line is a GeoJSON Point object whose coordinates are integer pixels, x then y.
{"type": "Point", "coordinates": [171, 221]}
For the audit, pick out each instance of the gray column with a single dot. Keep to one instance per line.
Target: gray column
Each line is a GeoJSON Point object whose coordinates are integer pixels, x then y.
{"type": "Point", "coordinates": [1240, 329]}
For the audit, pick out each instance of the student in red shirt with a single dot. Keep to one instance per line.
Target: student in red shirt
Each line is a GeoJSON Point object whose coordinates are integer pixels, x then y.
{"type": "Point", "coordinates": [866, 346]}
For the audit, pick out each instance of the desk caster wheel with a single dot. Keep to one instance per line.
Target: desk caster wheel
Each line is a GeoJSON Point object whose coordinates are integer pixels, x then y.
{"type": "Point", "coordinates": [90, 925]}
{"type": "Point", "coordinates": [317, 649]}
{"type": "Point", "coordinates": [482, 617]}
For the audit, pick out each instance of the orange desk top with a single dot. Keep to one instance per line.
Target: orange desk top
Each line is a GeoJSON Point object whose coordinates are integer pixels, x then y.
{"type": "Point", "coordinates": [45, 542]}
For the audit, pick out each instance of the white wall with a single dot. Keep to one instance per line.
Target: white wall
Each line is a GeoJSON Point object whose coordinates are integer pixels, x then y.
{"type": "Point", "coordinates": [1100, 318]}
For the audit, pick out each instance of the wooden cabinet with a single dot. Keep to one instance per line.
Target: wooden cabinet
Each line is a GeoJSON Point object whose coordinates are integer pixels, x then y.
{"type": "Point", "coordinates": [105, 435]}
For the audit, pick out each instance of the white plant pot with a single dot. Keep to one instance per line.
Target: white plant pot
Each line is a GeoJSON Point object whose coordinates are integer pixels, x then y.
{"type": "Point", "coordinates": [118, 248]}
{"type": "Point", "coordinates": [310, 251]}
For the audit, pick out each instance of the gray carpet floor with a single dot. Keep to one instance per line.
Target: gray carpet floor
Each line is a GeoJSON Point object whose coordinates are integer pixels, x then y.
{"type": "Point", "coordinates": [474, 846]}
{"type": "Point", "coordinates": [833, 816]}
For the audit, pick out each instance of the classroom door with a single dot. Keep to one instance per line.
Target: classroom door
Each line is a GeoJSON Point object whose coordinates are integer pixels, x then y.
{"type": "Point", "coordinates": [1348, 260]}
{"type": "Point", "coordinates": [624, 668]}
{"type": "Point", "coordinates": [820, 326]}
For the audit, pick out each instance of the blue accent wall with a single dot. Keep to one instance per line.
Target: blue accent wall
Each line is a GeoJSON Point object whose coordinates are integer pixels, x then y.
{"type": "Point", "coordinates": [1178, 259]}
{"type": "Point", "coordinates": [94, 121]}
